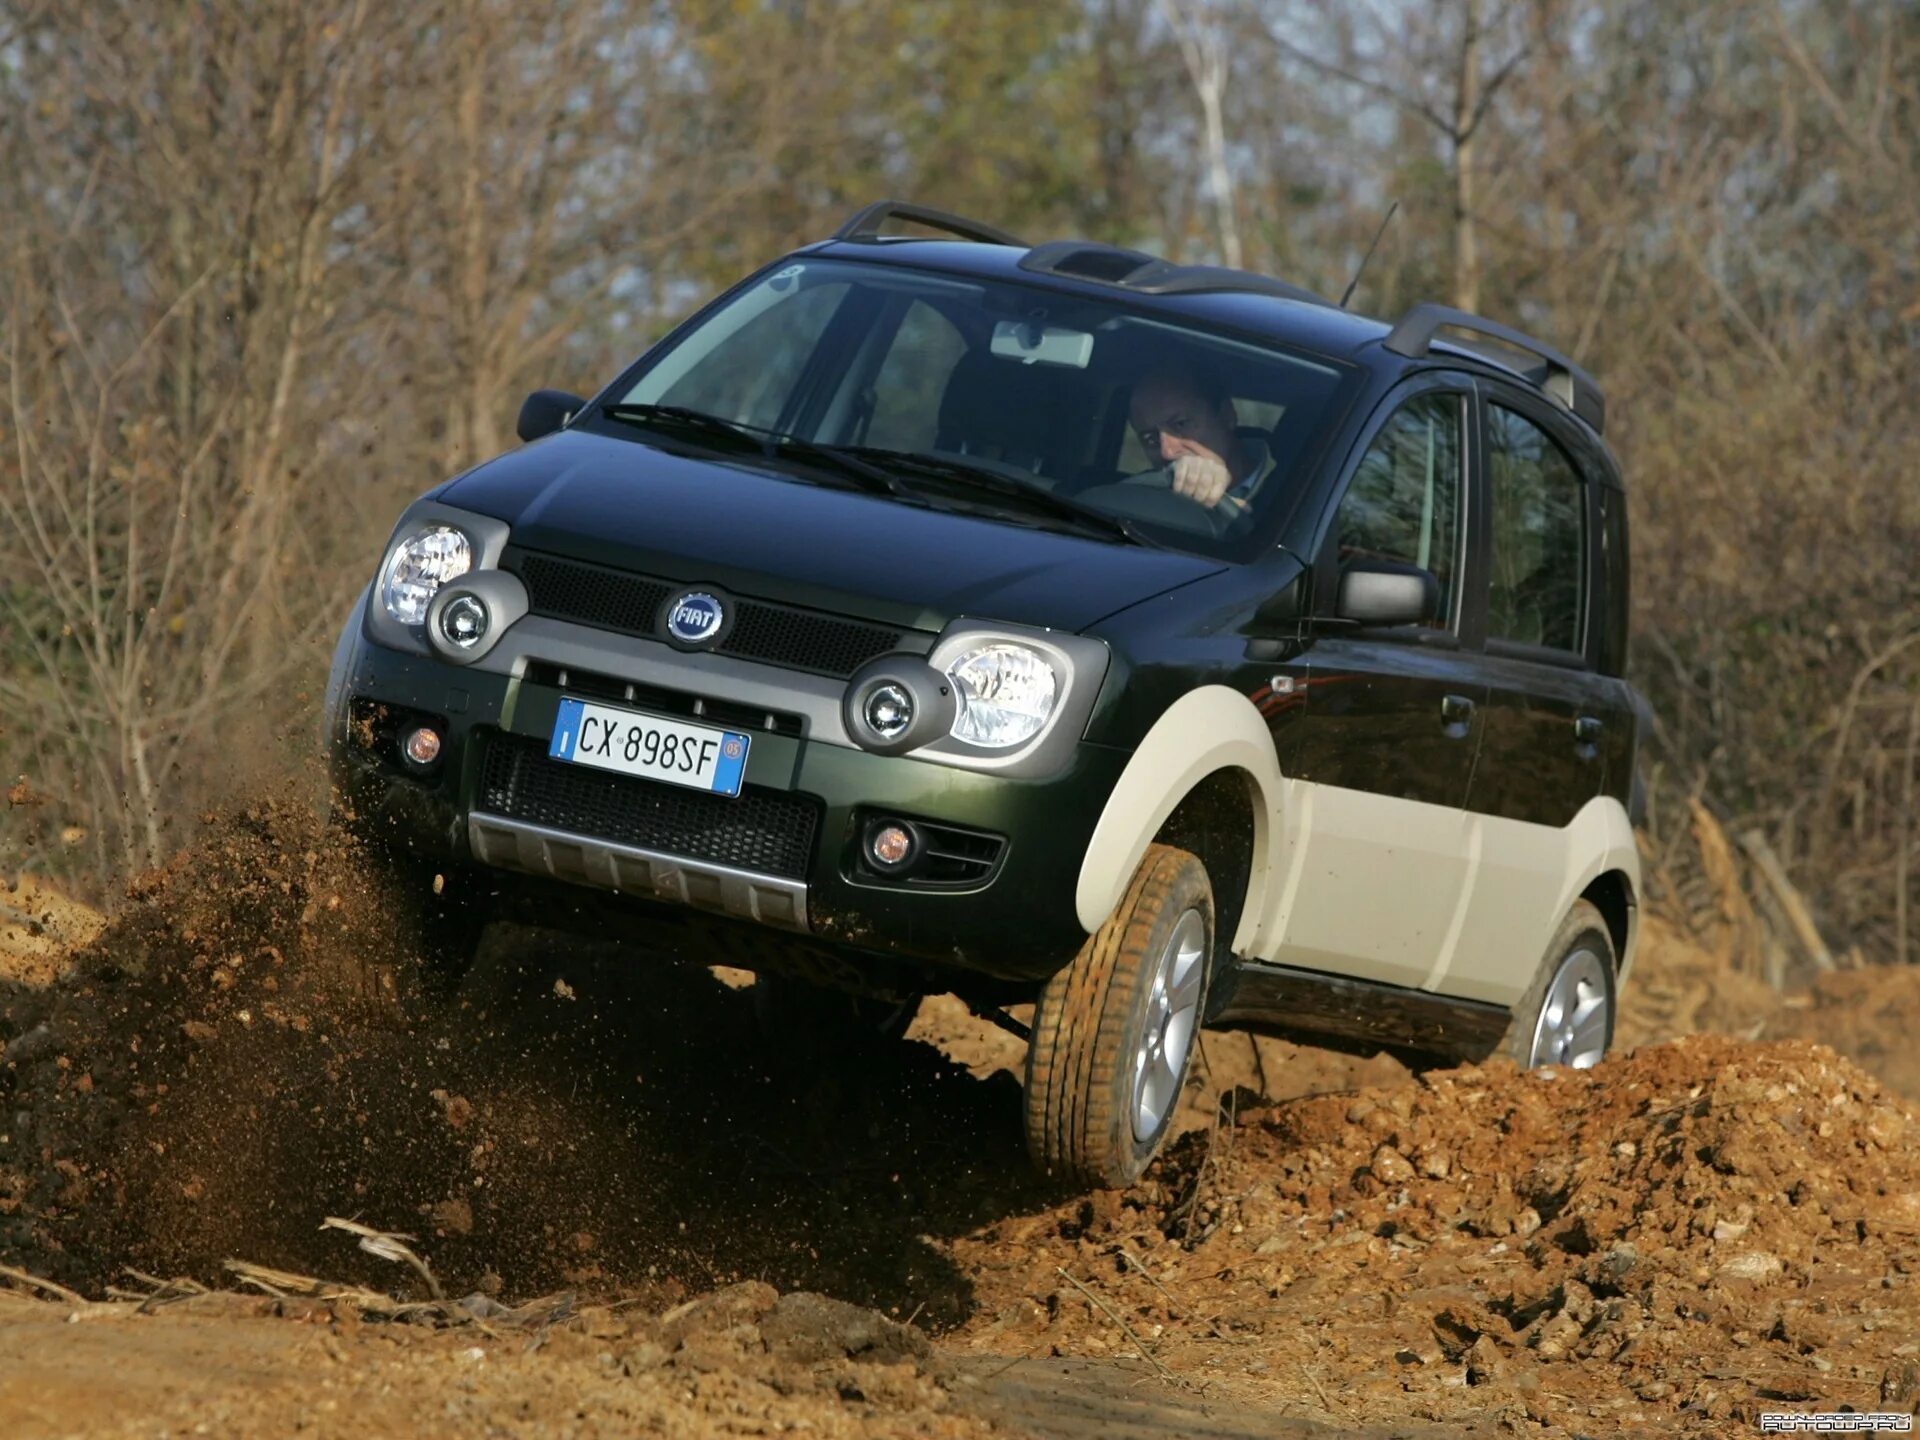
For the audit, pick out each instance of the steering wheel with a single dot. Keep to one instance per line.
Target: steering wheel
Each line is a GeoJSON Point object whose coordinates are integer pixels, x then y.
{"type": "Point", "coordinates": [1145, 497]}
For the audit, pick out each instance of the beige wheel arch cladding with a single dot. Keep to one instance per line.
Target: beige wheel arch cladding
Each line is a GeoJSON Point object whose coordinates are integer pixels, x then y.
{"type": "Point", "coordinates": [1212, 728]}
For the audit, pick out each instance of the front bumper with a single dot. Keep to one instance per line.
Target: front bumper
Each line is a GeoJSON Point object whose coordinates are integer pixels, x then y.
{"type": "Point", "coordinates": [473, 808]}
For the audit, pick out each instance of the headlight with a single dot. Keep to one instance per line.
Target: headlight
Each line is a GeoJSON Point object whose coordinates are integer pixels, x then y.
{"type": "Point", "coordinates": [421, 564]}
{"type": "Point", "coordinates": [1006, 690]}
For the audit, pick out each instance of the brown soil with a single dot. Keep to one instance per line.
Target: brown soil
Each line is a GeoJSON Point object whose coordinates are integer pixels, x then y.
{"type": "Point", "coordinates": [1696, 1231]}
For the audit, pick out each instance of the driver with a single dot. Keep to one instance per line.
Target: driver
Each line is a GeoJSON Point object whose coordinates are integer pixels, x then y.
{"type": "Point", "coordinates": [1184, 417]}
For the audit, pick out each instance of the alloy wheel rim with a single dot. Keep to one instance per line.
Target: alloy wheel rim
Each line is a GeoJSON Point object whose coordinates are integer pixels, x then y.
{"type": "Point", "coordinates": [1572, 1026]}
{"type": "Point", "coordinates": [1173, 1011]}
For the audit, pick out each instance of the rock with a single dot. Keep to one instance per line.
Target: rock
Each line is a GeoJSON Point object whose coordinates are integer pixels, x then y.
{"type": "Point", "coordinates": [1556, 1336]}
{"type": "Point", "coordinates": [1617, 1264]}
{"type": "Point", "coordinates": [736, 1305]}
{"type": "Point", "coordinates": [1885, 1126]}
{"type": "Point", "coordinates": [1900, 1387]}
{"type": "Point", "coordinates": [1728, 1230]}
{"type": "Point", "coordinates": [642, 1358]}
{"type": "Point", "coordinates": [1752, 1265]}
{"type": "Point", "coordinates": [455, 1215]}
{"type": "Point", "coordinates": [808, 1329]}
{"type": "Point", "coordinates": [1485, 1363]}
{"type": "Point", "coordinates": [1390, 1167]}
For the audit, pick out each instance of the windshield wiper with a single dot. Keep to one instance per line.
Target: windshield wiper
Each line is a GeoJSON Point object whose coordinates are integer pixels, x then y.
{"type": "Point", "coordinates": [770, 443]}
{"type": "Point", "coordinates": [982, 478]}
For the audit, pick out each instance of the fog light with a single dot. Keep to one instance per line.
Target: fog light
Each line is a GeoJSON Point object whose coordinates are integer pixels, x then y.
{"type": "Point", "coordinates": [464, 621]}
{"type": "Point", "coordinates": [888, 711]}
{"type": "Point", "coordinates": [422, 746]}
{"type": "Point", "coordinates": [889, 846]}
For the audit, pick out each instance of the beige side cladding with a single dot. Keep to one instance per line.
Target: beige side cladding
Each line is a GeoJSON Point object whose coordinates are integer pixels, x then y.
{"type": "Point", "coordinates": [1366, 885]}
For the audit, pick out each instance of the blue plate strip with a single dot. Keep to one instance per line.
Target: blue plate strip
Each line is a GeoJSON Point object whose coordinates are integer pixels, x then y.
{"type": "Point", "coordinates": [566, 730]}
{"type": "Point", "coordinates": [733, 763]}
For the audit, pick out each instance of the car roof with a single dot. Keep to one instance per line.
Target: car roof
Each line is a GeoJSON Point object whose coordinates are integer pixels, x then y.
{"type": "Point", "coordinates": [1301, 320]}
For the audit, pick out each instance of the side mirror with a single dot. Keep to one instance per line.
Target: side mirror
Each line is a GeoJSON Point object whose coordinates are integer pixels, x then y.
{"type": "Point", "coordinates": [1383, 592]}
{"type": "Point", "coordinates": [545, 411]}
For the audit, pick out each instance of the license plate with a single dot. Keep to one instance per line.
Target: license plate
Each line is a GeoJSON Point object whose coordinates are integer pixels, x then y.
{"type": "Point", "coordinates": [650, 746]}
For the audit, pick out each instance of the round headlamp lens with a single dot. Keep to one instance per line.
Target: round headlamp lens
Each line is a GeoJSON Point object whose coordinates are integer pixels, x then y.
{"type": "Point", "coordinates": [888, 711]}
{"type": "Point", "coordinates": [421, 564]}
{"type": "Point", "coordinates": [463, 621]}
{"type": "Point", "coordinates": [1007, 691]}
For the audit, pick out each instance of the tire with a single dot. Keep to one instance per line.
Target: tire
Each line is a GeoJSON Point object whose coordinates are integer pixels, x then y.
{"type": "Point", "coordinates": [1127, 1008]}
{"type": "Point", "coordinates": [818, 1020]}
{"type": "Point", "coordinates": [1580, 967]}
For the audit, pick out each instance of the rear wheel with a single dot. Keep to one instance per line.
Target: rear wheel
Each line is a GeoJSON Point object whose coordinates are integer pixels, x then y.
{"type": "Point", "coordinates": [1566, 1017]}
{"type": "Point", "coordinates": [1113, 1032]}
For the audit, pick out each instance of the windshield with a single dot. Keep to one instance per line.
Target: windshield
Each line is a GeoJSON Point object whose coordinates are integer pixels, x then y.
{"type": "Point", "coordinates": [1008, 398]}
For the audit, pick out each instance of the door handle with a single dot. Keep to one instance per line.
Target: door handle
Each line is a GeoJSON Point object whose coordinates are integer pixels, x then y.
{"type": "Point", "coordinates": [1587, 730]}
{"type": "Point", "coordinates": [1456, 709]}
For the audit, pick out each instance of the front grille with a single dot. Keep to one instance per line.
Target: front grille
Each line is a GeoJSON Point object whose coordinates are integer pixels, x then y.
{"type": "Point", "coordinates": [774, 634]}
{"type": "Point", "coordinates": [661, 701]}
{"type": "Point", "coordinates": [770, 831]}
{"type": "Point", "coordinates": [805, 641]}
{"type": "Point", "coordinates": [588, 595]}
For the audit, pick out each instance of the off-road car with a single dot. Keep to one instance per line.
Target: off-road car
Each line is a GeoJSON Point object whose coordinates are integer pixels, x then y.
{"type": "Point", "coordinates": [1158, 644]}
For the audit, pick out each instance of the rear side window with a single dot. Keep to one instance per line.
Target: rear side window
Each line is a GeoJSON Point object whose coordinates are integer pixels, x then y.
{"type": "Point", "coordinates": [1538, 583]}
{"type": "Point", "coordinates": [1404, 502]}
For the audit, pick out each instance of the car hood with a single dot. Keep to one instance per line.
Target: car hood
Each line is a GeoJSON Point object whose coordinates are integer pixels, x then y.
{"type": "Point", "coordinates": [621, 503]}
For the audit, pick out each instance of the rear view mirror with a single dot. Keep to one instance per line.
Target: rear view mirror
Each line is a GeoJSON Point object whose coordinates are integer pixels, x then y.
{"type": "Point", "coordinates": [546, 411]}
{"type": "Point", "coordinates": [1035, 344]}
{"type": "Point", "coordinates": [1383, 592]}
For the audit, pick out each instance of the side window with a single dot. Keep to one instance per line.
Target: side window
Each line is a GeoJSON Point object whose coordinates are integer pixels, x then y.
{"type": "Point", "coordinates": [781, 337]}
{"type": "Point", "coordinates": [1404, 502]}
{"type": "Point", "coordinates": [906, 396]}
{"type": "Point", "coordinates": [1537, 585]}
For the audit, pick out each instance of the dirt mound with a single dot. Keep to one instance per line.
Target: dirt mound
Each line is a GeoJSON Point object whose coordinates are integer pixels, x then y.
{"type": "Point", "coordinates": [1695, 1231]}
{"type": "Point", "coordinates": [1700, 1231]}
{"type": "Point", "coordinates": [1872, 1015]}
{"type": "Point", "coordinates": [240, 1055]}
{"type": "Point", "coordinates": [1680, 987]}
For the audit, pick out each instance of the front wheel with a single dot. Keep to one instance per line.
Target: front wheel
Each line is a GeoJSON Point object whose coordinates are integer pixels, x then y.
{"type": "Point", "coordinates": [1566, 1017]}
{"type": "Point", "coordinates": [1113, 1032]}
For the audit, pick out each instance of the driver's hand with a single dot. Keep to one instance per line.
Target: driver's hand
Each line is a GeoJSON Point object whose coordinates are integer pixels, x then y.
{"type": "Point", "coordinates": [1201, 478]}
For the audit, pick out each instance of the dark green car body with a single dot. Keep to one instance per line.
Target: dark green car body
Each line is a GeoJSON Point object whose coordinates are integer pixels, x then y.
{"type": "Point", "coordinates": [603, 524]}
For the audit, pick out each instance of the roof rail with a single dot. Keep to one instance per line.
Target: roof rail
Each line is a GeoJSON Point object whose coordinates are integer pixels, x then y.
{"type": "Point", "coordinates": [865, 224]}
{"type": "Point", "coordinates": [1150, 275]}
{"type": "Point", "coordinates": [1561, 378]}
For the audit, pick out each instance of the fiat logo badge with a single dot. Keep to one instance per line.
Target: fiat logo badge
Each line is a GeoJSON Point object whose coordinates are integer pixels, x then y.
{"type": "Point", "coordinates": [695, 617]}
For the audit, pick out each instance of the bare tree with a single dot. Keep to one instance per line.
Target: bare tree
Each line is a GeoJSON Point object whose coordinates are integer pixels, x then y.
{"type": "Point", "coordinates": [1201, 28]}
{"type": "Point", "coordinates": [1444, 66]}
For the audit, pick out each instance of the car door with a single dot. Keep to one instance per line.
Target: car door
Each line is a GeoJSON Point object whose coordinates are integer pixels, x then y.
{"type": "Point", "coordinates": [1380, 755]}
{"type": "Point", "coordinates": [1551, 717]}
